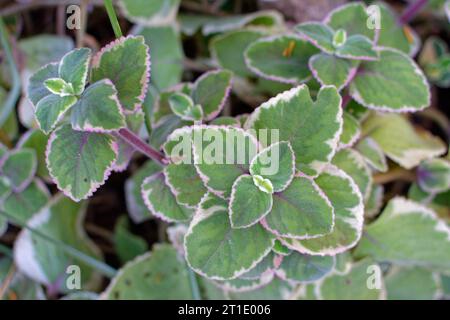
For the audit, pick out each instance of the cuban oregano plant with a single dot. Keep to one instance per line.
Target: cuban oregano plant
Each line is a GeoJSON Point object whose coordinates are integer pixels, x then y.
{"type": "Point", "coordinates": [271, 203]}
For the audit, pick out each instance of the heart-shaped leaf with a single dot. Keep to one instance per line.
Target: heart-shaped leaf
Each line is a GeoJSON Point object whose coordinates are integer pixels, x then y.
{"type": "Point", "coordinates": [211, 91]}
{"type": "Point", "coordinates": [217, 251]}
{"type": "Point", "coordinates": [301, 211]}
{"type": "Point", "coordinates": [248, 204]}
{"type": "Point", "coordinates": [19, 167]}
{"type": "Point", "coordinates": [276, 163]}
{"type": "Point", "coordinates": [312, 128]}
{"type": "Point", "coordinates": [126, 62]}
{"type": "Point", "coordinates": [80, 162]}
{"type": "Point", "coordinates": [331, 70]}
{"type": "Point", "coordinates": [98, 109]}
{"type": "Point", "coordinates": [73, 68]}
{"type": "Point", "coordinates": [347, 202]}
{"type": "Point", "coordinates": [51, 109]}
{"type": "Point", "coordinates": [303, 268]}
{"type": "Point", "coordinates": [161, 201]}
{"type": "Point", "coordinates": [280, 58]}
{"type": "Point", "coordinates": [393, 83]}
{"type": "Point", "coordinates": [393, 237]}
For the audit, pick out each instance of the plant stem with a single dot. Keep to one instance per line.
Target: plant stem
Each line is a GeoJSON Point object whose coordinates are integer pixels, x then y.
{"type": "Point", "coordinates": [194, 284]}
{"type": "Point", "coordinates": [100, 266]}
{"type": "Point", "coordinates": [113, 18]}
{"type": "Point", "coordinates": [411, 11]}
{"type": "Point", "coordinates": [14, 93]}
{"type": "Point", "coordinates": [393, 175]}
{"type": "Point", "coordinates": [132, 139]}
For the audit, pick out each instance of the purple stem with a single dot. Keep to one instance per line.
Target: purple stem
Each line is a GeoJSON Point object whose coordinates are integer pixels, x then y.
{"type": "Point", "coordinates": [133, 140]}
{"type": "Point", "coordinates": [411, 11]}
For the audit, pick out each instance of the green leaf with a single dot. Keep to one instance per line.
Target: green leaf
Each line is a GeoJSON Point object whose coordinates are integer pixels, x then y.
{"type": "Point", "coordinates": [167, 56]}
{"type": "Point", "coordinates": [372, 153]}
{"type": "Point", "coordinates": [351, 131]}
{"type": "Point", "coordinates": [276, 163]}
{"type": "Point", "coordinates": [211, 91]}
{"type": "Point", "coordinates": [152, 276]}
{"type": "Point", "coordinates": [275, 290]}
{"type": "Point", "coordinates": [36, 140]}
{"type": "Point", "coordinates": [351, 17]}
{"type": "Point", "coordinates": [280, 58]}
{"type": "Point", "coordinates": [263, 18]}
{"type": "Point", "coordinates": [434, 175]}
{"type": "Point", "coordinates": [183, 106]}
{"type": "Point", "coordinates": [23, 205]}
{"type": "Point", "coordinates": [128, 246]}
{"type": "Point", "coordinates": [161, 201]}
{"type": "Point", "coordinates": [374, 202]}
{"type": "Point", "coordinates": [36, 88]}
{"type": "Point", "coordinates": [42, 49]}
{"type": "Point", "coordinates": [137, 209]}
{"type": "Point", "coordinates": [319, 34]}
{"type": "Point", "coordinates": [185, 183]}
{"type": "Point", "coordinates": [350, 284]}
{"type": "Point", "coordinates": [126, 62]}
{"type": "Point", "coordinates": [45, 262]}
{"type": "Point", "coordinates": [98, 109]}
{"type": "Point", "coordinates": [59, 86]}
{"type": "Point", "coordinates": [347, 202]}
{"type": "Point", "coordinates": [412, 284]}
{"type": "Point", "coordinates": [339, 38]}
{"type": "Point", "coordinates": [312, 128]}
{"type": "Point", "coordinates": [19, 167]}
{"type": "Point", "coordinates": [228, 50]}
{"type": "Point", "coordinates": [225, 158]}
{"type": "Point", "coordinates": [248, 204]}
{"type": "Point", "coordinates": [393, 83]}
{"type": "Point", "coordinates": [134, 122]}
{"type": "Point", "coordinates": [302, 268]}
{"type": "Point", "coordinates": [301, 211]}
{"type": "Point", "coordinates": [74, 67]}
{"type": "Point", "coordinates": [80, 162]}
{"type": "Point", "coordinates": [154, 13]}
{"type": "Point", "coordinates": [5, 187]}
{"type": "Point", "coordinates": [51, 109]}
{"type": "Point", "coordinates": [281, 249]}
{"type": "Point", "coordinates": [217, 251]}
{"type": "Point", "coordinates": [353, 164]}
{"type": "Point", "coordinates": [393, 237]}
{"type": "Point", "coordinates": [357, 47]}
{"type": "Point", "coordinates": [390, 35]}
{"type": "Point", "coordinates": [410, 147]}
{"type": "Point", "coordinates": [331, 70]}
